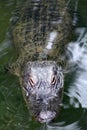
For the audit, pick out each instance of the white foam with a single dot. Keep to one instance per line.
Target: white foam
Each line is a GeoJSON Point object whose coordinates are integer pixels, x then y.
{"type": "Point", "coordinates": [62, 126]}
{"type": "Point", "coordinates": [76, 51]}
{"type": "Point", "coordinates": [78, 89]}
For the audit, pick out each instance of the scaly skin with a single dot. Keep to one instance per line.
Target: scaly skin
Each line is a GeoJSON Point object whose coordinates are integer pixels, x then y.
{"type": "Point", "coordinates": [34, 26]}
{"type": "Point", "coordinates": [32, 36]}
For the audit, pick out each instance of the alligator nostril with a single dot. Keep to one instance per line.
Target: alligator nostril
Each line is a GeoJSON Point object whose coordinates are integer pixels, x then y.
{"type": "Point", "coordinates": [40, 99]}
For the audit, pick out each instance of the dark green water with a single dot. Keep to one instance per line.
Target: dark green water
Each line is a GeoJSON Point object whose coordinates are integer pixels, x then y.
{"type": "Point", "coordinates": [13, 111]}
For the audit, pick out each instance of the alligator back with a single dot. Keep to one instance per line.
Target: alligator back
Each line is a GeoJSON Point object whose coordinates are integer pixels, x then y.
{"type": "Point", "coordinates": [42, 31]}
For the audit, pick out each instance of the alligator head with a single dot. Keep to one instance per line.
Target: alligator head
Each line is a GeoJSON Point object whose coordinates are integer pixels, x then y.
{"type": "Point", "coordinates": [42, 87]}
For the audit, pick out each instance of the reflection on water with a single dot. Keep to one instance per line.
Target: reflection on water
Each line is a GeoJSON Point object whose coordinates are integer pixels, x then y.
{"type": "Point", "coordinates": [4, 46]}
{"type": "Point", "coordinates": [73, 126]}
{"type": "Point", "coordinates": [80, 124]}
{"type": "Point", "coordinates": [78, 89]}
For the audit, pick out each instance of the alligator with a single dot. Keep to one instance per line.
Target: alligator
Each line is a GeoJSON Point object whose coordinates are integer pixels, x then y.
{"type": "Point", "coordinates": [40, 36]}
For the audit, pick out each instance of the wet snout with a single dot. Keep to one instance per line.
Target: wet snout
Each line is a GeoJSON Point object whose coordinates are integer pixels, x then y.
{"type": "Point", "coordinates": [46, 116]}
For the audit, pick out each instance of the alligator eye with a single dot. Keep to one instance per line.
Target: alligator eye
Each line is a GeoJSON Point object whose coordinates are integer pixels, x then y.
{"type": "Point", "coordinates": [31, 81]}
{"type": "Point", "coordinates": [53, 81]}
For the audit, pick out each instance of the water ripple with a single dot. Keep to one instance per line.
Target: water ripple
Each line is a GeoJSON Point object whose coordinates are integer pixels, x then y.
{"type": "Point", "coordinates": [78, 88]}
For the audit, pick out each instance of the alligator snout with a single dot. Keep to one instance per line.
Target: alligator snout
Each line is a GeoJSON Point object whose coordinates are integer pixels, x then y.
{"type": "Point", "coordinates": [46, 116]}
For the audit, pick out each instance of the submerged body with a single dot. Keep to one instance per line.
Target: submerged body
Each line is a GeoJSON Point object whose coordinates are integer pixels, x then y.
{"type": "Point", "coordinates": [40, 36]}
